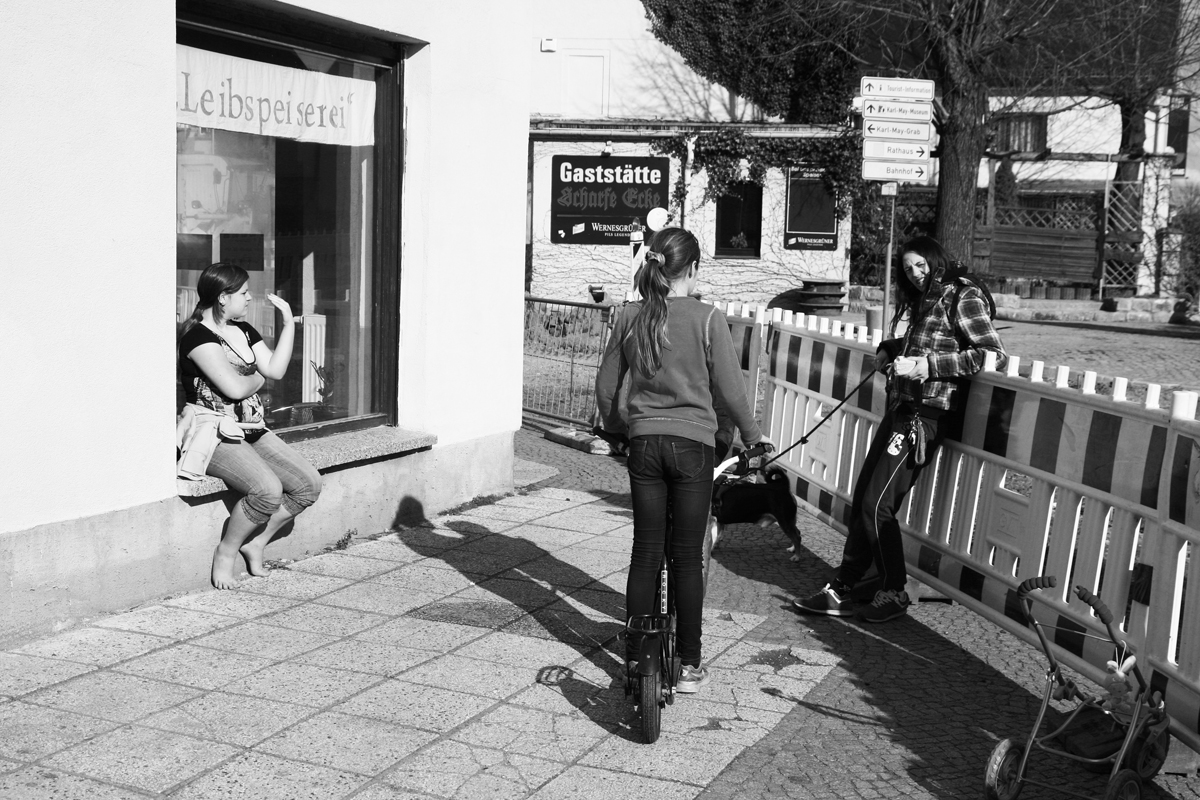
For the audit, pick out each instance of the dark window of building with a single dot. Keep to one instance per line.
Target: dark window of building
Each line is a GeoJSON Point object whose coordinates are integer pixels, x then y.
{"type": "Point", "coordinates": [297, 199]}
{"type": "Point", "coordinates": [1022, 132]}
{"type": "Point", "coordinates": [1178, 124]}
{"type": "Point", "coordinates": [739, 222]}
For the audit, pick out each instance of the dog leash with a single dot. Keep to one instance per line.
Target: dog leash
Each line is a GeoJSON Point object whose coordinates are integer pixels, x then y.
{"type": "Point", "coordinates": [804, 438]}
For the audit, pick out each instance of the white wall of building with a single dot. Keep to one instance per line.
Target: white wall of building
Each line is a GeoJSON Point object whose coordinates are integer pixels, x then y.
{"type": "Point", "coordinates": [87, 218]}
{"type": "Point", "coordinates": [87, 198]}
{"type": "Point", "coordinates": [597, 58]}
{"type": "Point", "coordinates": [564, 271]}
{"type": "Point", "coordinates": [1075, 125]}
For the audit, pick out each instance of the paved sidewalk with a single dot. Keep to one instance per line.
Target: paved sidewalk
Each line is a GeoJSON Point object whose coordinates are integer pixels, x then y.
{"type": "Point", "coordinates": [473, 657]}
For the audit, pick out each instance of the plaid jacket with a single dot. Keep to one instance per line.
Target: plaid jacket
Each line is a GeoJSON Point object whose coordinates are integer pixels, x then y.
{"type": "Point", "coordinates": [955, 348]}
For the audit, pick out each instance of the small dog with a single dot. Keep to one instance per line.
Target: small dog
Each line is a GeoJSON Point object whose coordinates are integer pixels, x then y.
{"type": "Point", "coordinates": [760, 504]}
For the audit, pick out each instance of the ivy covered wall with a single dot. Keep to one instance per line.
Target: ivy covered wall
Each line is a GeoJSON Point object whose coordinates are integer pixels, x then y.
{"type": "Point", "coordinates": [564, 271]}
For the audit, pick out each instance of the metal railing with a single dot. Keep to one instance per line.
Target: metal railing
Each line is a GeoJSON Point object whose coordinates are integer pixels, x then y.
{"type": "Point", "coordinates": [564, 342]}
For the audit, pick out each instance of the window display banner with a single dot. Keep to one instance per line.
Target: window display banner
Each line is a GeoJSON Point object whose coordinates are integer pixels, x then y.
{"type": "Point", "coordinates": [811, 212]}
{"type": "Point", "coordinates": [236, 94]}
{"type": "Point", "coordinates": [594, 199]}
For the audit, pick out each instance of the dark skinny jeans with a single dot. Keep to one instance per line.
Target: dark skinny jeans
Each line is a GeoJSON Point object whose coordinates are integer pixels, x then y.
{"type": "Point", "coordinates": [884, 482]}
{"type": "Point", "coordinates": [669, 471]}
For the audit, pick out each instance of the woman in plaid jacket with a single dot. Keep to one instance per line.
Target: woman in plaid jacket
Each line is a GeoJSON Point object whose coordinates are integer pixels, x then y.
{"type": "Point", "coordinates": [948, 332]}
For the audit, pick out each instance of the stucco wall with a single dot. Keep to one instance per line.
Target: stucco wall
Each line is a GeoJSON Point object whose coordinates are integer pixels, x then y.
{"type": "Point", "coordinates": [87, 204]}
{"type": "Point", "coordinates": [55, 575]}
{"type": "Point", "coordinates": [630, 74]}
{"type": "Point", "coordinates": [563, 272]}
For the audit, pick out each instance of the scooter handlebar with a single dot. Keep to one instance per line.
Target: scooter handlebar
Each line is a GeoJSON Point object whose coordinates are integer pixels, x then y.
{"type": "Point", "coordinates": [1040, 582]}
{"type": "Point", "coordinates": [742, 459]}
{"type": "Point", "coordinates": [1096, 603]}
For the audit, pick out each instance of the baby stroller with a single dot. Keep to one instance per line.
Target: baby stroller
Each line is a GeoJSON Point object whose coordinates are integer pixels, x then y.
{"type": "Point", "coordinates": [1123, 732]}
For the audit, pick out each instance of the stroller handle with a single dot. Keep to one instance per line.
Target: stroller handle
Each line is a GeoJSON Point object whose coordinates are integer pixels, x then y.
{"type": "Point", "coordinates": [1096, 603]}
{"type": "Point", "coordinates": [1041, 582]}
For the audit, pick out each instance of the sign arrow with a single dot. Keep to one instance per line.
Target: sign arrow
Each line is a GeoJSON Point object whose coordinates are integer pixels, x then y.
{"type": "Point", "coordinates": [890, 150]}
{"type": "Point", "coordinates": [911, 131]}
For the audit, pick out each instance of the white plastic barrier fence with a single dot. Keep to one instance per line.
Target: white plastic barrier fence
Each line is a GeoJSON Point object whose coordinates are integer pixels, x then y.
{"type": "Point", "coordinates": [1044, 479]}
{"type": "Point", "coordinates": [747, 323]}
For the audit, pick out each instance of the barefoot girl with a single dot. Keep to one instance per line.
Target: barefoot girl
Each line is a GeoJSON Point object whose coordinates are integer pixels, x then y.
{"type": "Point", "coordinates": [224, 362]}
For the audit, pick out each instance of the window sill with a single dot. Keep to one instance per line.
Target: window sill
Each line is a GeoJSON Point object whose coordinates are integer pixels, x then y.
{"type": "Point", "coordinates": [337, 450]}
{"type": "Point", "coordinates": [737, 256]}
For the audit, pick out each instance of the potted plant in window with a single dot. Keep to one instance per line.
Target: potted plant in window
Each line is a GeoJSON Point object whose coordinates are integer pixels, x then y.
{"type": "Point", "coordinates": [324, 410]}
{"type": "Point", "coordinates": [1053, 291]}
{"type": "Point", "coordinates": [1037, 289]}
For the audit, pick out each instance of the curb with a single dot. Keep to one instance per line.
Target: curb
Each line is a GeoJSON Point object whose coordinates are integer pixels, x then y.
{"type": "Point", "coordinates": [579, 440]}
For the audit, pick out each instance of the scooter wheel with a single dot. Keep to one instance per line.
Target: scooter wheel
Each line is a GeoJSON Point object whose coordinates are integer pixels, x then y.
{"type": "Point", "coordinates": [1003, 779]}
{"type": "Point", "coordinates": [651, 695]}
{"type": "Point", "coordinates": [1147, 756]}
{"type": "Point", "coordinates": [1125, 785]}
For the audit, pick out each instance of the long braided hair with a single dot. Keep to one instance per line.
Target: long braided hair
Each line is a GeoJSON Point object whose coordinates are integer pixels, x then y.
{"type": "Point", "coordinates": [670, 252]}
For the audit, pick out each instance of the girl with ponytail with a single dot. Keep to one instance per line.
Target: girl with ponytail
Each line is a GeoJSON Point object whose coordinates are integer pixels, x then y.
{"type": "Point", "coordinates": [223, 362]}
{"type": "Point", "coordinates": [679, 359]}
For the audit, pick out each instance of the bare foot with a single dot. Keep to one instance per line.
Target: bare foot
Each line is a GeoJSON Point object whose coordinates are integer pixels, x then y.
{"type": "Point", "coordinates": [222, 569]}
{"type": "Point", "coordinates": [252, 551]}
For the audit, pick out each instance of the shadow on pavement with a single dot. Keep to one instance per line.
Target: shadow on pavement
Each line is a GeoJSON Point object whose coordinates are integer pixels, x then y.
{"type": "Point", "coordinates": [516, 590]}
{"type": "Point", "coordinates": [920, 701]}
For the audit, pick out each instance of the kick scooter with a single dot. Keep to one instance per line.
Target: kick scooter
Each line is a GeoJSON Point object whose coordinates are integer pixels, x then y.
{"type": "Point", "coordinates": [653, 677]}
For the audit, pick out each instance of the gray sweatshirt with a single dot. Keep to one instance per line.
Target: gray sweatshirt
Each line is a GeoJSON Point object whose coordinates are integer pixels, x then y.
{"type": "Point", "coordinates": [700, 368]}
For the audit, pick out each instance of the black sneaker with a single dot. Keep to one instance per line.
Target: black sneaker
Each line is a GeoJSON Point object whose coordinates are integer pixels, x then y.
{"type": "Point", "coordinates": [829, 601]}
{"type": "Point", "coordinates": [887, 605]}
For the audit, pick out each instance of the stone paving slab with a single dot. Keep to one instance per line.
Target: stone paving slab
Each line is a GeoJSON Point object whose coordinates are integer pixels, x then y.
{"type": "Point", "coordinates": [473, 655]}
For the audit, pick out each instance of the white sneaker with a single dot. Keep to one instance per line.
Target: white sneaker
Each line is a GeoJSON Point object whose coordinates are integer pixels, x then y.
{"type": "Point", "coordinates": [691, 679]}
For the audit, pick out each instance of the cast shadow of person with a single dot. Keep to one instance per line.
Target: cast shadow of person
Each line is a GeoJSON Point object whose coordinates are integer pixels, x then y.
{"type": "Point", "coordinates": [524, 592]}
{"type": "Point", "coordinates": [941, 685]}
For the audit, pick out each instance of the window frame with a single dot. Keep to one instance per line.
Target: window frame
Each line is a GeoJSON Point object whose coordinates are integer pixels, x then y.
{"type": "Point", "coordinates": [1040, 132]}
{"type": "Point", "coordinates": [725, 251]}
{"type": "Point", "coordinates": [330, 36]}
{"type": "Point", "coordinates": [1179, 111]}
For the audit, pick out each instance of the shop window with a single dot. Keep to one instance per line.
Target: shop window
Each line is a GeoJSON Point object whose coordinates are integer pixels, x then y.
{"type": "Point", "coordinates": [739, 222]}
{"type": "Point", "coordinates": [287, 164]}
{"type": "Point", "coordinates": [1179, 121]}
{"type": "Point", "coordinates": [1021, 132]}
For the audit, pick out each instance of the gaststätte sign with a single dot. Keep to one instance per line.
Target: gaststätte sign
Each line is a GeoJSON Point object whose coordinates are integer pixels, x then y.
{"type": "Point", "coordinates": [594, 199]}
{"type": "Point", "coordinates": [213, 90]}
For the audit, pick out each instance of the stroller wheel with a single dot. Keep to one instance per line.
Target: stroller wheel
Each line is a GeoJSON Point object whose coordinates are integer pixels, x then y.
{"type": "Point", "coordinates": [1003, 778]}
{"type": "Point", "coordinates": [1125, 786]}
{"type": "Point", "coordinates": [1148, 755]}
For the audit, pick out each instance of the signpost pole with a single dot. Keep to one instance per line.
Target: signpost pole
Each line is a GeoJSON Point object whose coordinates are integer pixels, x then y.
{"type": "Point", "coordinates": [897, 127]}
{"type": "Point", "coordinates": [887, 275]}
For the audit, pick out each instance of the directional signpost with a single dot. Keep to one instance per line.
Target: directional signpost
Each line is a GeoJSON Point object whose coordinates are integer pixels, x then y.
{"type": "Point", "coordinates": [893, 171]}
{"type": "Point", "coordinates": [897, 126]}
